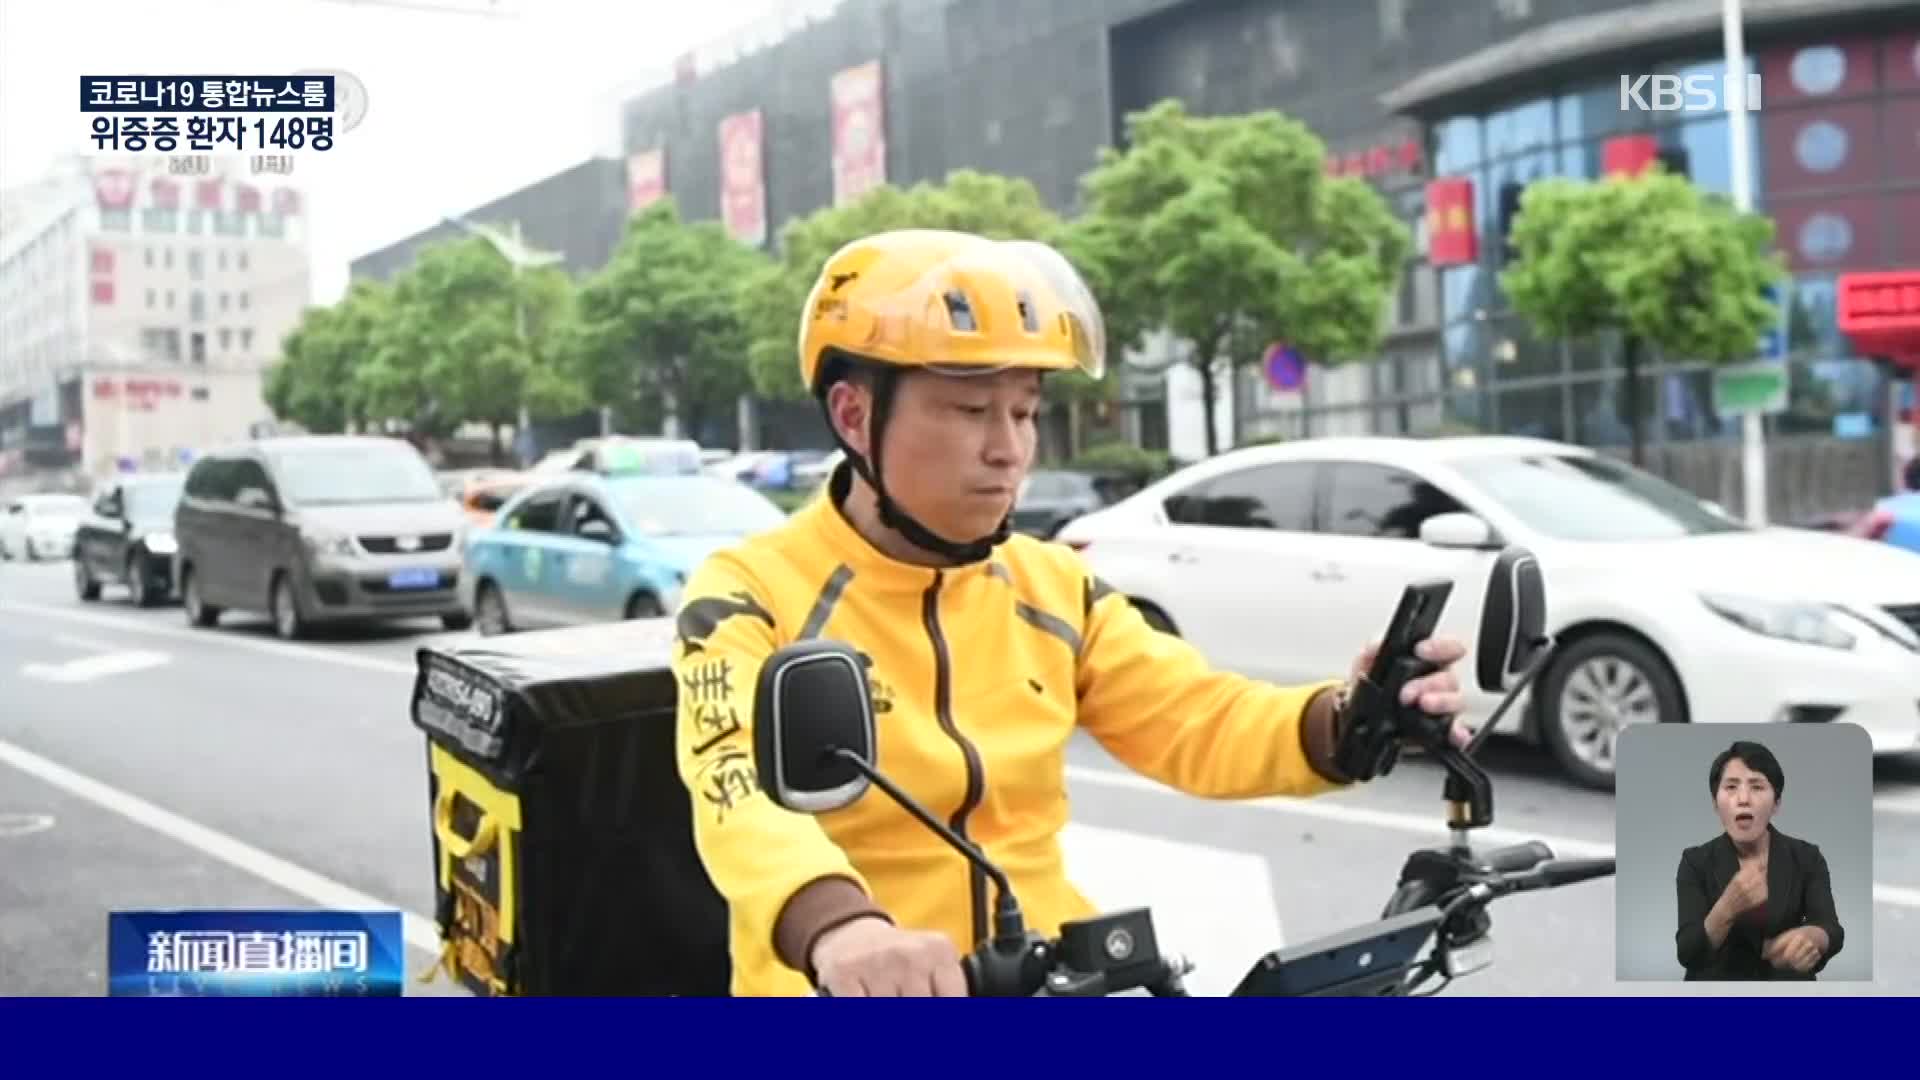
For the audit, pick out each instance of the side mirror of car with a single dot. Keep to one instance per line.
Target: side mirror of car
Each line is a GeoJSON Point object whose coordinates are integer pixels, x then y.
{"type": "Point", "coordinates": [813, 727]}
{"type": "Point", "coordinates": [1457, 530]}
{"type": "Point", "coordinates": [254, 498]}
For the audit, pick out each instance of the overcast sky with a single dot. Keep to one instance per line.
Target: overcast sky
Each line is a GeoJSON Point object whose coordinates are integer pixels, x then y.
{"type": "Point", "coordinates": [461, 109]}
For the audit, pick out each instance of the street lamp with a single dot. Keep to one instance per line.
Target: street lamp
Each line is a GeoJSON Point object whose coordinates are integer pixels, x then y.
{"type": "Point", "coordinates": [519, 256]}
{"type": "Point", "coordinates": [1753, 444]}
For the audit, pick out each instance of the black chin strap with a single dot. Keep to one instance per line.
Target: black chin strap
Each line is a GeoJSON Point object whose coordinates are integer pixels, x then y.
{"type": "Point", "coordinates": [891, 515]}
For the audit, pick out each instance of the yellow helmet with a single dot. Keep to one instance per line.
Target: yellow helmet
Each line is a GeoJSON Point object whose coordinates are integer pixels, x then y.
{"type": "Point", "coordinates": [952, 302]}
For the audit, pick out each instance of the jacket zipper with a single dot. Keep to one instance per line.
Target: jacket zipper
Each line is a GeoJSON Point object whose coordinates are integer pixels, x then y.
{"type": "Point", "coordinates": [976, 778]}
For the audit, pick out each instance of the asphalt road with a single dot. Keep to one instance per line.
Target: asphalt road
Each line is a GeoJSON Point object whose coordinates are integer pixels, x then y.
{"type": "Point", "coordinates": [147, 764]}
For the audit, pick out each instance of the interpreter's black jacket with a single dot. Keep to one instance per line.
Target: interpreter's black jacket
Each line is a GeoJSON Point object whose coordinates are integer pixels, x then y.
{"type": "Point", "coordinates": [1799, 893]}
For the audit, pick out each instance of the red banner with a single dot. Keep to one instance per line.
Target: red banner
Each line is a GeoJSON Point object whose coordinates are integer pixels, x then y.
{"type": "Point", "coordinates": [113, 188]}
{"type": "Point", "coordinates": [207, 195]}
{"type": "Point", "coordinates": [1387, 159]}
{"type": "Point", "coordinates": [166, 195]}
{"type": "Point", "coordinates": [859, 132]}
{"type": "Point", "coordinates": [1452, 238]}
{"type": "Point", "coordinates": [286, 201]}
{"type": "Point", "coordinates": [646, 179]}
{"type": "Point", "coordinates": [743, 187]}
{"type": "Point", "coordinates": [103, 291]}
{"type": "Point", "coordinates": [1628, 155]}
{"type": "Point", "coordinates": [102, 261]}
{"type": "Point", "coordinates": [246, 199]}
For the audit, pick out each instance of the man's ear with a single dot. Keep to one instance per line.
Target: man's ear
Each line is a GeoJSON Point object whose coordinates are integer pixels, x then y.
{"type": "Point", "coordinates": [849, 407]}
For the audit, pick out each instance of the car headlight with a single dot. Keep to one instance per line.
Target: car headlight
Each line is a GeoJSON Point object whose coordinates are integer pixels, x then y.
{"type": "Point", "coordinates": [329, 544]}
{"type": "Point", "coordinates": [1806, 624]}
{"type": "Point", "coordinates": [160, 543]}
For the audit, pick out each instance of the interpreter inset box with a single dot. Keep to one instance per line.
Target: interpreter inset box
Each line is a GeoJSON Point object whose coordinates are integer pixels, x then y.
{"type": "Point", "coordinates": [1744, 853]}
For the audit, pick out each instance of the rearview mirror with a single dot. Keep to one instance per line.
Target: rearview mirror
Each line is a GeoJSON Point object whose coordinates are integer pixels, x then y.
{"type": "Point", "coordinates": [254, 498]}
{"type": "Point", "coordinates": [1456, 530]}
{"type": "Point", "coordinates": [813, 737]}
{"type": "Point", "coordinates": [1513, 619]}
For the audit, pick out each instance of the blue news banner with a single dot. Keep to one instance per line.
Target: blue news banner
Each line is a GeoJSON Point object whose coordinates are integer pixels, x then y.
{"type": "Point", "coordinates": [255, 954]}
{"type": "Point", "coordinates": [209, 112]}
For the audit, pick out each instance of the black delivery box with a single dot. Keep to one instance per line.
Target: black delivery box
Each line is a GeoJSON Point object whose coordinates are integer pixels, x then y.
{"type": "Point", "coordinates": [564, 862]}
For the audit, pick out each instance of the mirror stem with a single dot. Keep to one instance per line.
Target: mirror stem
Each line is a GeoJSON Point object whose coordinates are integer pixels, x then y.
{"type": "Point", "coordinates": [1541, 654]}
{"type": "Point", "coordinates": [1007, 918]}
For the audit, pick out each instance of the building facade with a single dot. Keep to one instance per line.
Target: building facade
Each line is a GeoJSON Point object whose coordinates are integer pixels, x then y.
{"type": "Point", "coordinates": [140, 309]}
{"type": "Point", "coordinates": [1496, 92]}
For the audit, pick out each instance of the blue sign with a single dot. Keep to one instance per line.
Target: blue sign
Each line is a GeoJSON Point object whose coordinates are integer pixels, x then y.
{"type": "Point", "coordinates": [254, 954]}
{"type": "Point", "coordinates": [1773, 341]}
{"type": "Point", "coordinates": [1286, 370]}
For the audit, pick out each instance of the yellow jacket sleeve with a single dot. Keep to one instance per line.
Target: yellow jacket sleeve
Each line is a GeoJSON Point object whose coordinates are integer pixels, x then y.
{"type": "Point", "coordinates": [1156, 704]}
{"type": "Point", "coordinates": [758, 854]}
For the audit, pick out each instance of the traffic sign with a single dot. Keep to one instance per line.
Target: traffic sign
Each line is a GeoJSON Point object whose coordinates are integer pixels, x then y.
{"type": "Point", "coordinates": [1739, 389]}
{"type": "Point", "coordinates": [1286, 369]}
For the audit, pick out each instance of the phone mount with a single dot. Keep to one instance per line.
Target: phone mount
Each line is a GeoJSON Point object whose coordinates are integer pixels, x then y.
{"type": "Point", "coordinates": [1380, 725]}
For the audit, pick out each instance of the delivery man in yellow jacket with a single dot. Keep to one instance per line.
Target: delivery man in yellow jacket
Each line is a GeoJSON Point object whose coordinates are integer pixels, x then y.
{"type": "Point", "coordinates": [988, 651]}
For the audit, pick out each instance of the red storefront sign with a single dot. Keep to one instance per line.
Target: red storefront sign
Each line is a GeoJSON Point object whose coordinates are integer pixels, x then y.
{"type": "Point", "coordinates": [1880, 312]}
{"type": "Point", "coordinates": [1452, 238]}
{"type": "Point", "coordinates": [1386, 159]}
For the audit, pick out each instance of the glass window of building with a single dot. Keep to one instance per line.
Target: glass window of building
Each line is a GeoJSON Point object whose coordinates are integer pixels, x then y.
{"type": "Point", "coordinates": [1456, 145]}
{"type": "Point", "coordinates": [1519, 128]}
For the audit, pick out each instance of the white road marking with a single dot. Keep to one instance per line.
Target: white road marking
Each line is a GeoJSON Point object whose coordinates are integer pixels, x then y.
{"type": "Point", "coordinates": [215, 636]}
{"type": "Point", "coordinates": [420, 931]}
{"type": "Point", "coordinates": [1322, 809]}
{"type": "Point", "coordinates": [12, 825]}
{"type": "Point", "coordinates": [1212, 905]}
{"type": "Point", "coordinates": [90, 668]}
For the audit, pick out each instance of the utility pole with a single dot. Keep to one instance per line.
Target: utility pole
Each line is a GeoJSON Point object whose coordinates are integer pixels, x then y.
{"type": "Point", "coordinates": [1753, 431]}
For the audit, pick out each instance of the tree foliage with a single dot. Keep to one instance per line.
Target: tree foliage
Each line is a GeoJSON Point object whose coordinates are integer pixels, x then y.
{"type": "Point", "coordinates": [1227, 232]}
{"type": "Point", "coordinates": [1652, 258]}
{"type": "Point", "coordinates": [1001, 207]}
{"type": "Point", "coordinates": [665, 320]}
{"type": "Point", "coordinates": [317, 382]}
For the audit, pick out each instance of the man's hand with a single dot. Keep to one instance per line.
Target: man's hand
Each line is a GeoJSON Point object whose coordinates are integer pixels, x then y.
{"type": "Point", "coordinates": [1799, 949]}
{"type": "Point", "coordinates": [1437, 694]}
{"type": "Point", "coordinates": [873, 958]}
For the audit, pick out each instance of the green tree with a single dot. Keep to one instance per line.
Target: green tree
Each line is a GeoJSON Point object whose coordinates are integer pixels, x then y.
{"type": "Point", "coordinates": [469, 339]}
{"type": "Point", "coordinates": [1227, 232]}
{"type": "Point", "coordinates": [1653, 259]}
{"type": "Point", "coordinates": [664, 321]}
{"type": "Point", "coordinates": [1002, 207]}
{"type": "Point", "coordinates": [314, 383]}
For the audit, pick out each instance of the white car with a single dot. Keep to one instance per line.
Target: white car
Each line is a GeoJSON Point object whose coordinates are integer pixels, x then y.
{"type": "Point", "coordinates": [37, 527]}
{"type": "Point", "coordinates": [1283, 561]}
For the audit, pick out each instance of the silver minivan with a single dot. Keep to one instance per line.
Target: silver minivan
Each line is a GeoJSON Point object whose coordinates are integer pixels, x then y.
{"type": "Point", "coordinates": [316, 529]}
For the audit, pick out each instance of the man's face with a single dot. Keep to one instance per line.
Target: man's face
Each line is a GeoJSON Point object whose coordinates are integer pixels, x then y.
{"type": "Point", "coordinates": [1745, 802]}
{"type": "Point", "coordinates": [958, 447]}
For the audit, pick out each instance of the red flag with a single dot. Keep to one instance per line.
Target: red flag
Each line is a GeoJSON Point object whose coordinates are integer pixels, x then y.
{"type": "Point", "coordinates": [206, 195]}
{"type": "Point", "coordinates": [1628, 155]}
{"type": "Point", "coordinates": [1452, 239]}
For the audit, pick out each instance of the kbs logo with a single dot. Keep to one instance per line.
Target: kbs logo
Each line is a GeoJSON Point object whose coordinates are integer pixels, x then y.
{"type": "Point", "coordinates": [1684, 93]}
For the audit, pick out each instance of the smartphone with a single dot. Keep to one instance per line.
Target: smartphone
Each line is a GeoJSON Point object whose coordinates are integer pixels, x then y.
{"type": "Point", "coordinates": [1415, 620]}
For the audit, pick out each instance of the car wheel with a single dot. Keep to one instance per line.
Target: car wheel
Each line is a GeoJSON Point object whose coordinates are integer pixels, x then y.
{"type": "Point", "coordinates": [199, 612]}
{"type": "Point", "coordinates": [490, 611]}
{"type": "Point", "coordinates": [137, 589]}
{"type": "Point", "coordinates": [456, 621]}
{"type": "Point", "coordinates": [644, 606]}
{"type": "Point", "coordinates": [284, 607]}
{"type": "Point", "coordinates": [83, 584]}
{"type": "Point", "coordinates": [1595, 689]}
{"type": "Point", "coordinates": [1155, 617]}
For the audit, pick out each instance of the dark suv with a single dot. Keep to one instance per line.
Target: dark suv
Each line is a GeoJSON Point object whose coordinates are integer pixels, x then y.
{"type": "Point", "coordinates": [319, 528]}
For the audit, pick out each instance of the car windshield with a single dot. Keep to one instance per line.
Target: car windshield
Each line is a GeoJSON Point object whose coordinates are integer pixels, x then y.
{"type": "Point", "coordinates": [1593, 498]}
{"type": "Point", "coordinates": [57, 507]}
{"type": "Point", "coordinates": [343, 475]}
{"type": "Point", "coordinates": [696, 506]}
{"type": "Point", "coordinates": [153, 499]}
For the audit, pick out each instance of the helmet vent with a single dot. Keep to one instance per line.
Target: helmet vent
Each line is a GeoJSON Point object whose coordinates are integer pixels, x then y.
{"type": "Point", "coordinates": [1029, 319]}
{"type": "Point", "coordinates": [960, 312]}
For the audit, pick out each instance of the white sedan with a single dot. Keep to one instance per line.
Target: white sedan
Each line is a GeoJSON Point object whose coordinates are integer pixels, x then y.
{"type": "Point", "coordinates": [37, 527]}
{"type": "Point", "coordinates": [1282, 561]}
